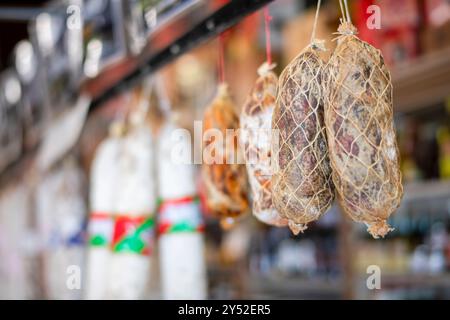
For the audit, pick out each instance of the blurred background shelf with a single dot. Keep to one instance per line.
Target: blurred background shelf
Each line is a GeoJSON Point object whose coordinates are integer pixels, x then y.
{"type": "Point", "coordinates": [414, 279]}
{"type": "Point", "coordinates": [278, 287]}
{"type": "Point", "coordinates": [426, 190]}
{"type": "Point", "coordinates": [422, 82]}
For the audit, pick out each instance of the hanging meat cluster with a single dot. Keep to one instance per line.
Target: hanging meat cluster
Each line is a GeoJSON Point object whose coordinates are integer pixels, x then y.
{"type": "Point", "coordinates": [333, 131]}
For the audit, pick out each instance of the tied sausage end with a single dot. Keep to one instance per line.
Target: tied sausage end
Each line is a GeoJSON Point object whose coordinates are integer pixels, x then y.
{"type": "Point", "coordinates": [379, 229]}
{"type": "Point", "coordinates": [297, 228]}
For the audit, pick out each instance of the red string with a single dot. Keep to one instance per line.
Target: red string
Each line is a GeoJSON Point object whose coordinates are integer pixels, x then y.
{"type": "Point", "coordinates": [221, 60]}
{"type": "Point", "coordinates": [267, 19]}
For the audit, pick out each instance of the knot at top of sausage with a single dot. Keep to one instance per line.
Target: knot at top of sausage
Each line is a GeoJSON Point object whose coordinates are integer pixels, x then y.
{"type": "Point", "coordinates": [223, 90]}
{"type": "Point", "coordinates": [345, 29]}
{"type": "Point", "coordinates": [265, 68]}
{"type": "Point", "coordinates": [318, 44]}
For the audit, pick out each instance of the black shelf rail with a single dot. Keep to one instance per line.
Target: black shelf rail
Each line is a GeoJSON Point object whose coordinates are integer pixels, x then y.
{"type": "Point", "coordinates": [219, 21]}
{"type": "Point", "coordinates": [225, 17]}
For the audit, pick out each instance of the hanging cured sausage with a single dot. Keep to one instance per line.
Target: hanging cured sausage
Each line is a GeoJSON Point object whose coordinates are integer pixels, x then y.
{"type": "Point", "coordinates": [61, 211]}
{"type": "Point", "coordinates": [302, 186]}
{"type": "Point", "coordinates": [135, 204]}
{"type": "Point", "coordinates": [362, 141]}
{"type": "Point", "coordinates": [224, 175]}
{"type": "Point", "coordinates": [255, 138]}
{"type": "Point", "coordinates": [104, 183]}
{"type": "Point", "coordinates": [180, 224]}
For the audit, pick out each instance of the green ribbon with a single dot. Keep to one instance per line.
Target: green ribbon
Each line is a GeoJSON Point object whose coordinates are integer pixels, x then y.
{"type": "Point", "coordinates": [134, 242]}
{"type": "Point", "coordinates": [98, 240]}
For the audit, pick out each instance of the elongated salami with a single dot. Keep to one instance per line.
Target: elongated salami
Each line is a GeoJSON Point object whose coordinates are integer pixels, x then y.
{"type": "Point", "coordinates": [302, 186]}
{"type": "Point", "coordinates": [19, 248]}
{"type": "Point", "coordinates": [61, 211]}
{"type": "Point", "coordinates": [180, 224]}
{"type": "Point", "coordinates": [135, 204]}
{"type": "Point", "coordinates": [10, 126]}
{"type": "Point", "coordinates": [362, 141]}
{"type": "Point", "coordinates": [103, 180]}
{"type": "Point", "coordinates": [225, 178]}
{"type": "Point", "coordinates": [255, 136]}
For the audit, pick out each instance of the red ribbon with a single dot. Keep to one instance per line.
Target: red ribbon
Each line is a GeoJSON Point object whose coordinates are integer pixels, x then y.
{"type": "Point", "coordinates": [221, 66]}
{"type": "Point", "coordinates": [267, 19]}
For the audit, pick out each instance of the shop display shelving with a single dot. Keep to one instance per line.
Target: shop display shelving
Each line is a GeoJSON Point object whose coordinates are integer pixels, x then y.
{"type": "Point", "coordinates": [422, 82]}
{"type": "Point", "coordinates": [164, 45]}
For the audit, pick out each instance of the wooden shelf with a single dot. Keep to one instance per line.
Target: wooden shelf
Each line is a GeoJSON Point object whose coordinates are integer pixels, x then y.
{"type": "Point", "coordinates": [422, 82]}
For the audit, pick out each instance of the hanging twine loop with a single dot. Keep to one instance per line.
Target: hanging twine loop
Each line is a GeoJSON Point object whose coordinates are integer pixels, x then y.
{"type": "Point", "coordinates": [317, 44]}
{"type": "Point", "coordinates": [346, 28]}
{"type": "Point", "coordinates": [267, 19]}
{"type": "Point", "coordinates": [268, 65]}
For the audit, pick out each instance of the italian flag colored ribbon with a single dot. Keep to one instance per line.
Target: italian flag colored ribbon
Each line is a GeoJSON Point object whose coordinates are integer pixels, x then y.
{"type": "Point", "coordinates": [133, 235]}
{"type": "Point", "coordinates": [180, 215]}
{"type": "Point", "coordinates": [100, 229]}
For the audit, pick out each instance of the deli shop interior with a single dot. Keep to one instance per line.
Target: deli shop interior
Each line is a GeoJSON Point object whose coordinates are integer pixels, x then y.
{"type": "Point", "coordinates": [112, 184]}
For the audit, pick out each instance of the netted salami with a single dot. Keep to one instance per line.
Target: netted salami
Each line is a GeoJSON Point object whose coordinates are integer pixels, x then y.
{"type": "Point", "coordinates": [361, 135]}
{"type": "Point", "coordinates": [302, 186]}
{"type": "Point", "coordinates": [255, 136]}
{"type": "Point", "coordinates": [224, 175]}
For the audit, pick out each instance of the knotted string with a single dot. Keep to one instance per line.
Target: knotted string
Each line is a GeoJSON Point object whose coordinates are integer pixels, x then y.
{"type": "Point", "coordinates": [346, 28]}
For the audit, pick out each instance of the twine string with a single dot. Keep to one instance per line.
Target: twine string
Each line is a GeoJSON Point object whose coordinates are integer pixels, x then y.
{"type": "Point", "coordinates": [313, 34]}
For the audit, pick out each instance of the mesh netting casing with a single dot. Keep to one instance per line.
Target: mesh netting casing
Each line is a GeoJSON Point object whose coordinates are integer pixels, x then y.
{"type": "Point", "coordinates": [302, 186]}
{"type": "Point", "coordinates": [361, 135]}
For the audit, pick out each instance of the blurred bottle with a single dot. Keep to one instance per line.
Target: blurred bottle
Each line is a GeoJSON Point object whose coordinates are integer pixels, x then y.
{"type": "Point", "coordinates": [443, 138]}
{"type": "Point", "coordinates": [408, 139]}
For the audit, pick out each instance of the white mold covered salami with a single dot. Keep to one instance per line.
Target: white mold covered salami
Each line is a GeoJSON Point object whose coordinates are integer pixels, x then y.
{"type": "Point", "coordinates": [19, 248]}
{"type": "Point", "coordinates": [180, 224]}
{"type": "Point", "coordinates": [302, 186]}
{"type": "Point", "coordinates": [61, 211]}
{"type": "Point", "coordinates": [135, 206]}
{"type": "Point", "coordinates": [103, 185]}
{"type": "Point", "coordinates": [255, 136]}
{"type": "Point", "coordinates": [361, 135]}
